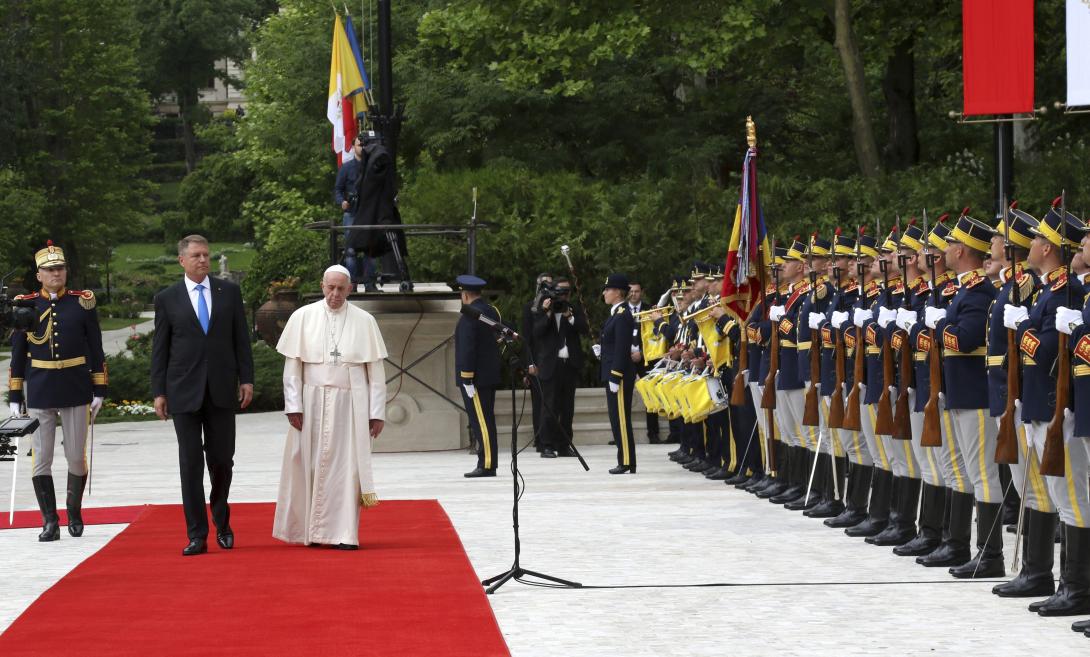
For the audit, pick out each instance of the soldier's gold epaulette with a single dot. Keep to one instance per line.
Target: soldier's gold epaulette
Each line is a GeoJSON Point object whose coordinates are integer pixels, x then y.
{"type": "Point", "coordinates": [86, 298]}
{"type": "Point", "coordinates": [620, 309]}
{"type": "Point", "coordinates": [973, 279]}
{"type": "Point", "coordinates": [24, 297]}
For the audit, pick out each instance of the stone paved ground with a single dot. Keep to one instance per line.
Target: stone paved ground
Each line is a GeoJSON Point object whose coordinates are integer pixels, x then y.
{"type": "Point", "coordinates": [804, 589]}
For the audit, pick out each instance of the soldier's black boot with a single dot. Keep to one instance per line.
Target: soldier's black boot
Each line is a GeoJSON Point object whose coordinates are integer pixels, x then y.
{"type": "Point", "coordinates": [1036, 606]}
{"type": "Point", "coordinates": [857, 490]}
{"type": "Point", "coordinates": [47, 503]}
{"type": "Point", "coordinates": [829, 506]}
{"type": "Point", "coordinates": [810, 496]}
{"type": "Point", "coordinates": [1039, 552]}
{"type": "Point", "coordinates": [880, 495]}
{"type": "Point", "coordinates": [74, 503]}
{"type": "Point", "coordinates": [954, 549]}
{"type": "Point", "coordinates": [781, 482]}
{"type": "Point", "coordinates": [902, 527]}
{"type": "Point", "coordinates": [1073, 596]}
{"type": "Point", "coordinates": [989, 539]}
{"type": "Point", "coordinates": [1082, 626]}
{"type": "Point", "coordinates": [932, 505]}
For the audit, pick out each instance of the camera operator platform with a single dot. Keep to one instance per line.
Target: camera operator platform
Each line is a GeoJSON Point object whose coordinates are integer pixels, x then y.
{"type": "Point", "coordinates": [58, 369]}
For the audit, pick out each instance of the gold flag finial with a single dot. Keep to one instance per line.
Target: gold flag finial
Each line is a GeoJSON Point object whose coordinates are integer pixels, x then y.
{"type": "Point", "coordinates": [751, 132]}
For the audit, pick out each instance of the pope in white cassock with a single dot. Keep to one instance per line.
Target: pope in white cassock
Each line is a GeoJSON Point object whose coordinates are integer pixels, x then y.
{"type": "Point", "coordinates": [335, 400]}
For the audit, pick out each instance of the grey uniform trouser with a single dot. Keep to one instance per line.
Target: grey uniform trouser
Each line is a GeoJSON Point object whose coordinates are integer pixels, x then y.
{"type": "Point", "coordinates": [790, 405]}
{"type": "Point", "coordinates": [975, 433]}
{"type": "Point", "coordinates": [868, 414]}
{"type": "Point", "coordinates": [852, 443]}
{"type": "Point", "coordinates": [1068, 493]}
{"type": "Point", "coordinates": [900, 453]}
{"type": "Point", "coordinates": [1034, 491]}
{"type": "Point", "coordinates": [74, 421]}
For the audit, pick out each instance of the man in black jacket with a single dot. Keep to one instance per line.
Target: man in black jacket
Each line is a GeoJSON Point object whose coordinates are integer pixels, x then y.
{"type": "Point", "coordinates": [529, 311]}
{"type": "Point", "coordinates": [559, 359]}
{"type": "Point", "coordinates": [201, 367]}
{"type": "Point", "coordinates": [617, 371]}
{"type": "Point", "coordinates": [477, 361]}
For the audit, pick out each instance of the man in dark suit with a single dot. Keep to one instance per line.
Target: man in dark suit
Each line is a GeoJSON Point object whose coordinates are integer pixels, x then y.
{"type": "Point", "coordinates": [559, 358]}
{"type": "Point", "coordinates": [617, 371]}
{"type": "Point", "coordinates": [529, 312]}
{"type": "Point", "coordinates": [201, 367]}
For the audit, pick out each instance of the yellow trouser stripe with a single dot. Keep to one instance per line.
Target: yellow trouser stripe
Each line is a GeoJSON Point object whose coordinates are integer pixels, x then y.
{"type": "Point", "coordinates": [626, 459]}
{"type": "Point", "coordinates": [931, 463]}
{"type": "Point", "coordinates": [761, 445]}
{"type": "Point", "coordinates": [1071, 496]}
{"type": "Point", "coordinates": [983, 456]}
{"type": "Point", "coordinates": [1034, 473]}
{"type": "Point", "coordinates": [813, 438]}
{"type": "Point", "coordinates": [878, 440]}
{"type": "Point", "coordinates": [952, 442]}
{"type": "Point", "coordinates": [704, 429]}
{"type": "Point", "coordinates": [858, 448]}
{"type": "Point", "coordinates": [909, 460]}
{"type": "Point", "coordinates": [486, 440]}
{"type": "Point", "coordinates": [834, 434]}
{"type": "Point", "coordinates": [733, 465]}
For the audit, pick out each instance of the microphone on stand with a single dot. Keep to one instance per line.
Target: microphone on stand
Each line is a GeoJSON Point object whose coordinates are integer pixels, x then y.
{"type": "Point", "coordinates": [505, 333]}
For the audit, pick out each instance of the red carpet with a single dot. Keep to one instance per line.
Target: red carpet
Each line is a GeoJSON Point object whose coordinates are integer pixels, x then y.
{"type": "Point", "coordinates": [107, 515]}
{"type": "Point", "coordinates": [409, 590]}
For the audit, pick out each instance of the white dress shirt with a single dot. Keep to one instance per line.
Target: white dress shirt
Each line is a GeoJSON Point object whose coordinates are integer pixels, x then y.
{"type": "Point", "coordinates": [207, 291]}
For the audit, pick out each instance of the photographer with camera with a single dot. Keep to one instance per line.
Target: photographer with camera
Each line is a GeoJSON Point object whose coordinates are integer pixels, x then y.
{"type": "Point", "coordinates": [346, 196]}
{"type": "Point", "coordinates": [529, 311]}
{"type": "Point", "coordinates": [60, 375]}
{"type": "Point", "coordinates": [558, 356]}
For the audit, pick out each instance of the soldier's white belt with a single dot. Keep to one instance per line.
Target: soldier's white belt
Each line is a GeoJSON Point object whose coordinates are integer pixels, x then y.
{"type": "Point", "coordinates": [1081, 370]}
{"type": "Point", "coordinates": [996, 361]}
{"type": "Point", "coordinates": [58, 364]}
{"type": "Point", "coordinates": [978, 352]}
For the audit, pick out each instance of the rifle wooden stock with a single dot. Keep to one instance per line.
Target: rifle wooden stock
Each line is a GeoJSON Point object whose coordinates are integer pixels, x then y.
{"type": "Point", "coordinates": [852, 419]}
{"type": "Point", "coordinates": [768, 397]}
{"type": "Point", "coordinates": [1052, 459]}
{"type": "Point", "coordinates": [1006, 444]}
{"type": "Point", "coordinates": [770, 422]}
{"type": "Point", "coordinates": [836, 400]}
{"type": "Point", "coordinates": [738, 389]}
{"type": "Point", "coordinates": [883, 422]}
{"type": "Point", "coordinates": [932, 415]}
{"type": "Point", "coordinates": [902, 425]}
{"type": "Point", "coordinates": [811, 414]}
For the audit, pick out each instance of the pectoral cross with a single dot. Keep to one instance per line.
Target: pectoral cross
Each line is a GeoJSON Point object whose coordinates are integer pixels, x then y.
{"type": "Point", "coordinates": [336, 353]}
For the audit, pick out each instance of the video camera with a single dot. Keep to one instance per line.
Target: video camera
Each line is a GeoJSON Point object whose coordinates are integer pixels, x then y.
{"type": "Point", "coordinates": [15, 314]}
{"type": "Point", "coordinates": [548, 290]}
{"type": "Point", "coordinates": [14, 427]}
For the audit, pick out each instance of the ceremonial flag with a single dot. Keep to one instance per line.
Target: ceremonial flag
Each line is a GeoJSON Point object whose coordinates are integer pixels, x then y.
{"type": "Point", "coordinates": [1078, 53]}
{"type": "Point", "coordinates": [748, 241]}
{"type": "Point", "coordinates": [997, 56]}
{"type": "Point", "coordinates": [344, 81]}
{"type": "Point", "coordinates": [350, 30]}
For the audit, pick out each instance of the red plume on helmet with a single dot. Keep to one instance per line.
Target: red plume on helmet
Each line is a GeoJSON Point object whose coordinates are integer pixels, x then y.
{"type": "Point", "coordinates": [1057, 201]}
{"type": "Point", "coordinates": [1014, 204]}
{"type": "Point", "coordinates": [964, 211]}
{"type": "Point", "coordinates": [912, 221]}
{"type": "Point", "coordinates": [943, 218]}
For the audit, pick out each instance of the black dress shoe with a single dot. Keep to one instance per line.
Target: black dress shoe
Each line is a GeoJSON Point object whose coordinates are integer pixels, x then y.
{"type": "Point", "coordinates": [981, 567]}
{"type": "Point", "coordinates": [918, 546]}
{"type": "Point", "coordinates": [790, 495]}
{"type": "Point", "coordinates": [737, 479]}
{"type": "Point", "coordinates": [869, 527]}
{"type": "Point", "coordinates": [653, 438]}
{"type": "Point", "coordinates": [847, 518]}
{"type": "Point", "coordinates": [825, 509]}
{"type": "Point", "coordinates": [685, 459]}
{"type": "Point", "coordinates": [480, 472]}
{"type": "Point", "coordinates": [196, 546]}
{"type": "Point", "coordinates": [548, 453]}
{"type": "Point", "coordinates": [776, 488]}
{"type": "Point", "coordinates": [945, 555]}
{"type": "Point", "coordinates": [621, 469]}
{"type": "Point", "coordinates": [225, 539]}
{"type": "Point", "coordinates": [345, 546]}
{"type": "Point", "coordinates": [720, 474]}
{"type": "Point", "coordinates": [612, 442]}
{"type": "Point", "coordinates": [893, 535]}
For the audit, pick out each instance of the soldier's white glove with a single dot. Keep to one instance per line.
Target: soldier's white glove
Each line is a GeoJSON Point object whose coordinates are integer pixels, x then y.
{"type": "Point", "coordinates": [814, 320]}
{"type": "Point", "coordinates": [776, 313]}
{"type": "Point", "coordinates": [16, 409]}
{"type": "Point", "coordinates": [613, 387]}
{"type": "Point", "coordinates": [470, 390]}
{"type": "Point", "coordinates": [839, 317]}
{"type": "Point", "coordinates": [96, 406]}
{"type": "Point", "coordinates": [906, 319]}
{"type": "Point", "coordinates": [932, 316]}
{"type": "Point", "coordinates": [597, 349]}
{"type": "Point", "coordinates": [860, 317]}
{"type": "Point", "coordinates": [1067, 320]}
{"type": "Point", "coordinates": [1014, 315]}
{"type": "Point", "coordinates": [886, 316]}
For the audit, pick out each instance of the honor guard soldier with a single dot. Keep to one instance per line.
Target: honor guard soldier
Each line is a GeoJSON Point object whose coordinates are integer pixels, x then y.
{"type": "Point", "coordinates": [618, 372]}
{"type": "Point", "coordinates": [59, 370]}
{"type": "Point", "coordinates": [834, 365]}
{"type": "Point", "coordinates": [1038, 343]}
{"type": "Point", "coordinates": [916, 293]}
{"type": "Point", "coordinates": [962, 325]}
{"type": "Point", "coordinates": [756, 346]}
{"type": "Point", "coordinates": [1076, 575]}
{"type": "Point", "coordinates": [477, 359]}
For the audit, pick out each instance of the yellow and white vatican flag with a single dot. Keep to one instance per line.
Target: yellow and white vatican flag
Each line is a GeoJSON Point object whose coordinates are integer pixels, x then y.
{"type": "Point", "coordinates": [346, 87]}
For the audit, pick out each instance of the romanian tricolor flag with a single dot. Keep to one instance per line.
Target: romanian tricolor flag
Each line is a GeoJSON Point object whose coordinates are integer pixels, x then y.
{"type": "Point", "coordinates": [742, 289]}
{"type": "Point", "coordinates": [346, 93]}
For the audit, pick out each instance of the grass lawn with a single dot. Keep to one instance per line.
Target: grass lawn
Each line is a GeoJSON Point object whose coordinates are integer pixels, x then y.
{"type": "Point", "coordinates": [130, 258]}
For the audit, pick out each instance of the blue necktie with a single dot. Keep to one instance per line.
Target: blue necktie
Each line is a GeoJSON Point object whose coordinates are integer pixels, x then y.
{"type": "Point", "coordinates": [202, 308]}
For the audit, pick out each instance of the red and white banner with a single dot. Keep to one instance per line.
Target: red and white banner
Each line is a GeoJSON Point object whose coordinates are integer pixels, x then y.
{"type": "Point", "coordinates": [997, 56]}
{"type": "Point", "coordinates": [1078, 53]}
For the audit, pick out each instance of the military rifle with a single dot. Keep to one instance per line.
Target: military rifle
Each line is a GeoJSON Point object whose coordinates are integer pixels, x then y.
{"type": "Point", "coordinates": [768, 397]}
{"type": "Point", "coordinates": [932, 414]}
{"type": "Point", "coordinates": [902, 424]}
{"type": "Point", "coordinates": [852, 419]}
{"type": "Point", "coordinates": [811, 415]}
{"type": "Point", "coordinates": [836, 400]}
{"type": "Point", "coordinates": [1052, 458]}
{"type": "Point", "coordinates": [883, 423]}
{"type": "Point", "coordinates": [1006, 445]}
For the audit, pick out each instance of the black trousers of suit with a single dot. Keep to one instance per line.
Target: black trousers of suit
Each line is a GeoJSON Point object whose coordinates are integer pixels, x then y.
{"type": "Point", "coordinates": [743, 421]}
{"type": "Point", "coordinates": [620, 420]}
{"type": "Point", "coordinates": [558, 411]}
{"type": "Point", "coordinates": [536, 386]}
{"type": "Point", "coordinates": [205, 436]}
{"type": "Point", "coordinates": [482, 420]}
